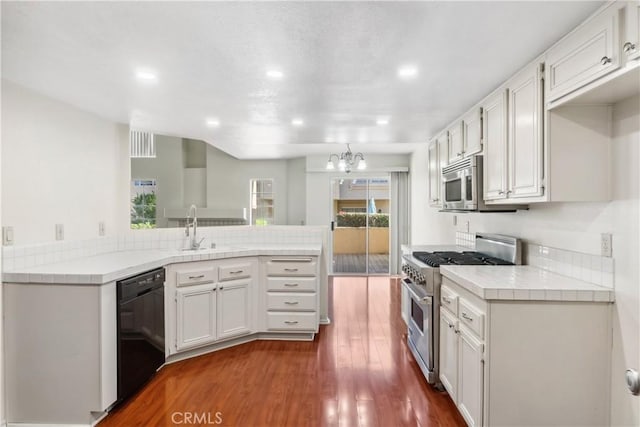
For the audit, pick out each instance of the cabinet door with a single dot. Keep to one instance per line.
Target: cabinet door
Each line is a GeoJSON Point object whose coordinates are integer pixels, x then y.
{"type": "Point", "coordinates": [443, 154]}
{"type": "Point", "coordinates": [434, 174]}
{"type": "Point", "coordinates": [586, 54]}
{"type": "Point", "coordinates": [449, 353]}
{"type": "Point", "coordinates": [470, 377]}
{"type": "Point", "coordinates": [234, 308]}
{"type": "Point", "coordinates": [456, 142]}
{"type": "Point", "coordinates": [631, 43]}
{"type": "Point", "coordinates": [472, 123]}
{"type": "Point", "coordinates": [494, 135]}
{"type": "Point", "coordinates": [525, 133]}
{"type": "Point", "coordinates": [196, 315]}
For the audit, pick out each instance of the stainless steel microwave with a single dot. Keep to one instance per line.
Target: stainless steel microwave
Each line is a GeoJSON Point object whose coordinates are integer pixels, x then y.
{"type": "Point", "coordinates": [462, 188]}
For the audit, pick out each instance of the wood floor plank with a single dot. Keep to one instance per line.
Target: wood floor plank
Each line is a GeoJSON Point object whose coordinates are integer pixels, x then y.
{"type": "Point", "coordinates": [358, 372]}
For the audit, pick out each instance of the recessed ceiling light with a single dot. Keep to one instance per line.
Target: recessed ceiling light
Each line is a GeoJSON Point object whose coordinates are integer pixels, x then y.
{"type": "Point", "coordinates": [275, 74]}
{"type": "Point", "coordinates": [213, 123]}
{"type": "Point", "coordinates": [382, 121]}
{"type": "Point", "coordinates": [297, 122]}
{"type": "Point", "coordinates": [407, 71]}
{"type": "Point", "coordinates": [146, 76]}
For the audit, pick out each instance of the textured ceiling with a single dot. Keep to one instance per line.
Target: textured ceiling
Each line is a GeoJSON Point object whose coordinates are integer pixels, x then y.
{"type": "Point", "coordinates": [339, 60]}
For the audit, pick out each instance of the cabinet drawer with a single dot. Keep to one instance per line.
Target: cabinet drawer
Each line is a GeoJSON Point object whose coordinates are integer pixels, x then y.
{"type": "Point", "coordinates": [449, 299]}
{"type": "Point", "coordinates": [291, 321]}
{"type": "Point", "coordinates": [194, 277]}
{"type": "Point", "coordinates": [235, 271]}
{"type": "Point", "coordinates": [472, 317]}
{"type": "Point", "coordinates": [291, 267]}
{"type": "Point", "coordinates": [291, 302]}
{"type": "Point", "coordinates": [304, 284]}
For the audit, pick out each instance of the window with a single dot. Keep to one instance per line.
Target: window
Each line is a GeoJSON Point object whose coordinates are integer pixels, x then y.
{"type": "Point", "coordinates": [261, 201]}
{"type": "Point", "coordinates": [143, 203]}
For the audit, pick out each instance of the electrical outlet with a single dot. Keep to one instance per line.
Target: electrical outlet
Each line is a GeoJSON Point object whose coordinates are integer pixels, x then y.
{"type": "Point", "coordinates": [606, 243]}
{"type": "Point", "coordinates": [101, 228]}
{"type": "Point", "coordinates": [59, 232]}
{"type": "Point", "coordinates": [7, 236]}
{"type": "Point", "coordinates": [467, 226]}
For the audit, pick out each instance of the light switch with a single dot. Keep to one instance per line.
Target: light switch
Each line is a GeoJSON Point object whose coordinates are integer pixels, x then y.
{"type": "Point", "coordinates": [59, 232]}
{"type": "Point", "coordinates": [7, 236]}
{"type": "Point", "coordinates": [101, 228]}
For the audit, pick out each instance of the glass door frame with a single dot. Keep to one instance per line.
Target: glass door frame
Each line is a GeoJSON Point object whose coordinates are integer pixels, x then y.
{"type": "Point", "coordinates": [333, 213]}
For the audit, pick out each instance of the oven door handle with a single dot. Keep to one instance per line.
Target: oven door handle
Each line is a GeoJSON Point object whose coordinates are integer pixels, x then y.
{"type": "Point", "coordinates": [428, 300]}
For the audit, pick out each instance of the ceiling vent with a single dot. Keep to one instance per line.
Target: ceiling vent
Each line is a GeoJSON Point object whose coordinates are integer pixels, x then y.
{"type": "Point", "coordinates": [141, 144]}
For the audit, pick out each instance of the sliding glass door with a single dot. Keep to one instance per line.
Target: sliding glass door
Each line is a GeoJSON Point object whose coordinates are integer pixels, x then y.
{"type": "Point", "coordinates": [360, 225]}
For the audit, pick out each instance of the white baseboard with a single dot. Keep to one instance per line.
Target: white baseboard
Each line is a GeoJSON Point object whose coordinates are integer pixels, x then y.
{"type": "Point", "coordinates": [45, 425]}
{"type": "Point", "coordinates": [325, 320]}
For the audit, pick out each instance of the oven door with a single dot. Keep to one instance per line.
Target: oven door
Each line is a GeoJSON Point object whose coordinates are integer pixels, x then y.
{"type": "Point", "coordinates": [420, 328]}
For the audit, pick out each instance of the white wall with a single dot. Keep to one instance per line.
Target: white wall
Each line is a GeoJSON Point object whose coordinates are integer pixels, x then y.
{"type": "Point", "coordinates": [2, 387]}
{"type": "Point", "coordinates": [625, 217]}
{"type": "Point", "coordinates": [296, 191]}
{"type": "Point", "coordinates": [60, 165]}
{"type": "Point", "coordinates": [427, 225]}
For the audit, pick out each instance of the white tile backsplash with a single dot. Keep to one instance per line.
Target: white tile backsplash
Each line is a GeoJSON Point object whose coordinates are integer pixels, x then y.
{"type": "Point", "coordinates": [589, 268]}
{"type": "Point", "coordinates": [467, 240]}
{"type": "Point", "coordinates": [18, 257]}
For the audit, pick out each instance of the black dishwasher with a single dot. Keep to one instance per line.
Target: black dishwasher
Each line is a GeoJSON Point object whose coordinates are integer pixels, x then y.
{"type": "Point", "coordinates": [140, 330]}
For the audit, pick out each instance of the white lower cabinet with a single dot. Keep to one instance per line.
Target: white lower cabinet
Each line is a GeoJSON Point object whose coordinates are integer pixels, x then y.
{"type": "Point", "coordinates": [470, 380]}
{"type": "Point", "coordinates": [234, 302]}
{"type": "Point", "coordinates": [462, 354]}
{"type": "Point", "coordinates": [196, 315]}
{"type": "Point", "coordinates": [449, 353]}
{"type": "Point", "coordinates": [291, 302]}
{"type": "Point", "coordinates": [525, 362]}
{"type": "Point", "coordinates": [209, 301]}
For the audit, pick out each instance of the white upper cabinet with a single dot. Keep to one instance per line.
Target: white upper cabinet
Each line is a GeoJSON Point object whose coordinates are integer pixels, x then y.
{"type": "Point", "coordinates": [434, 175]}
{"type": "Point", "coordinates": [495, 146]}
{"type": "Point", "coordinates": [631, 42]}
{"type": "Point", "coordinates": [525, 133]}
{"type": "Point", "coordinates": [589, 52]}
{"type": "Point", "coordinates": [456, 142]}
{"type": "Point", "coordinates": [438, 157]}
{"type": "Point", "coordinates": [472, 127]}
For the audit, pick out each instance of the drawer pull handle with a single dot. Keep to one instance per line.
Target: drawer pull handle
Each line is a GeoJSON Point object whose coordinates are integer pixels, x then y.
{"type": "Point", "coordinates": [451, 326]}
{"type": "Point", "coordinates": [447, 300]}
{"type": "Point", "coordinates": [466, 317]}
{"type": "Point", "coordinates": [197, 277]}
{"type": "Point", "coordinates": [291, 270]}
{"type": "Point", "coordinates": [291, 302]}
{"type": "Point", "coordinates": [291, 285]}
{"type": "Point", "coordinates": [628, 47]}
{"type": "Point", "coordinates": [605, 60]}
{"type": "Point", "coordinates": [291, 322]}
{"type": "Point", "coordinates": [236, 272]}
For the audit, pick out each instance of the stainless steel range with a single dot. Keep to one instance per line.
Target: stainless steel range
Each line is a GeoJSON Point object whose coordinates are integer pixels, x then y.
{"type": "Point", "coordinates": [422, 279]}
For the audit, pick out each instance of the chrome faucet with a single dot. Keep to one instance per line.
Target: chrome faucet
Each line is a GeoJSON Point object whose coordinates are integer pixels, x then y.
{"type": "Point", "coordinates": [192, 222]}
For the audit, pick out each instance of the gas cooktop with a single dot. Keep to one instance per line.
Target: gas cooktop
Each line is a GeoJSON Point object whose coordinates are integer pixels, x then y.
{"type": "Point", "coordinates": [438, 258]}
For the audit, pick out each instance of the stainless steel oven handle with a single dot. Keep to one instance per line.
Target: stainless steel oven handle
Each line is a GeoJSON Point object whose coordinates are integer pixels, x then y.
{"type": "Point", "coordinates": [428, 300]}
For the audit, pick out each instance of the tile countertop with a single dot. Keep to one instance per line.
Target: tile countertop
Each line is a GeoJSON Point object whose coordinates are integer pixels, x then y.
{"type": "Point", "coordinates": [523, 283]}
{"type": "Point", "coordinates": [105, 268]}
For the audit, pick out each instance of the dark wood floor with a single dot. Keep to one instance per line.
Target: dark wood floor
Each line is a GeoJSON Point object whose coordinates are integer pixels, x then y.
{"type": "Point", "coordinates": [357, 372]}
{"type": "Point", "coordinates": [354, 263]}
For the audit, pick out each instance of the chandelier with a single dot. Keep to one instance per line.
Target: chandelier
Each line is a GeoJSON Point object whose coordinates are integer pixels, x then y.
{"type": "Point", "coordinates": [346, 161]}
